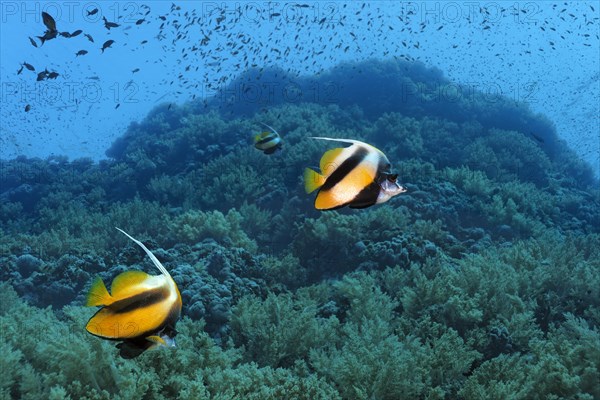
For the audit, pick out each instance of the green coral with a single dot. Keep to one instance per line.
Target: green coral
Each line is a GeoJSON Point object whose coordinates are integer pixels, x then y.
{"type": "Point", "coordinates": [565, 365]}
{"type": "Point", "coordinates": [372, 359]}
{"type": "Point", "coordinates": [58, 359]}
{"type": "Point", "coordinates": [279, 331]}
{"type": "Point", "coordinates": [481, 281]}
{"type": "Point", "coordinates": [194, 226]}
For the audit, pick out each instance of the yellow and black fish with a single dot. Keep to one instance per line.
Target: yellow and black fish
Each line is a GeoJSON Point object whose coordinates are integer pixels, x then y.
{"type": "Point", "coordinates": [141, 309]}
{"type": "Point", "coordinates": [268, 142]}
{"type": "Point", "coordinates": [357, 176]}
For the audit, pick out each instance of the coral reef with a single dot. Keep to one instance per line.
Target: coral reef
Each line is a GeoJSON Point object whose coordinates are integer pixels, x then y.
{"type": "Point", "coordinates": [482, 281]}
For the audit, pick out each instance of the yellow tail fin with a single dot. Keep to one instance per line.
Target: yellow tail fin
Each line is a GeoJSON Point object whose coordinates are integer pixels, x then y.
{"type": "Point", "coordinates": [98, 295]}
{"type": "Point", "coordinates": [312, 180]}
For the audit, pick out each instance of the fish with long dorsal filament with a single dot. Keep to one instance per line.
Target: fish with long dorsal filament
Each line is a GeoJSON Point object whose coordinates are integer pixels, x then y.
{"type": "Point", "coordinates": [140, 311]}
{"type": "Point", "coordinates": [357, 176]}
{"type": "Point", "coordinates": [268, 142]}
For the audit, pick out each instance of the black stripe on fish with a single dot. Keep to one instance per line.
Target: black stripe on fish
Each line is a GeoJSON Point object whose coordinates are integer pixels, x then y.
{"type": "Point", "coordinates": [345, 168]}
{"type": "Point", "coordinates": [272, 149]}
{"type": "Point", "coordinates": [366, 197]}
{"type": "Point", "coordinates": [266, 140]}
{"type": "Point", "coordinates": [139, 301]}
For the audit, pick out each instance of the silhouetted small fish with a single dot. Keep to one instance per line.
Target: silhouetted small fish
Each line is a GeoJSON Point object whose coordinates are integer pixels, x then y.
{"type": "Point", "coordinates": [48, 36]}
{"type": "Point", "coordinates": [65, 34]}
{"type": "Point", "coordinates": [53, 75]}
{"type": "Point", "coordinates": [20, 70]}
{"type": "Point", "coordinates": [42, 75]}
{"type": "Point", "coordinates": [109, 25]}
{"type": "Point", "coordinates": [107, 44]}
{"type": "Point", "coordinates": [81, 53]}
{"type": "Point", "coordinates": [135, 70]}
{"type": "Point", "coordinates": [28, 66]}
{"type": "Point", "coordinates": [76, 33]}
{"type": "Point", "coordinates": [33, 43]}
{"type": "Point", "coordinates": [49, 21]}
{"type": "Point", "coordinates": [144, 42]}
{"type": "Point", "coordinates": [117, 106]}
{"type": "Point", "coordinates": [90, 38]}
{"type": "Point", "coordinates": [140, 21]}
{"type": "Point", "coordinates": [93, 12]}
{"type": "Point", "coordinates": [27, 108]}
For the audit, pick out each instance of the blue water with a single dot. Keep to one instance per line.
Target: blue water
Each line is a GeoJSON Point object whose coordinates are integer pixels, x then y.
{"type": "Point", "coordinates": [542, 53]}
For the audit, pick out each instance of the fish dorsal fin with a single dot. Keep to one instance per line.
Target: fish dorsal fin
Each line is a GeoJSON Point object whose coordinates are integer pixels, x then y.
{"type": "Point", "coordinates": [149, 253]}
{"type": "Point", "coordinates": [330, 161]}
{"type": "Point", "coordinates": [123, 284]}
{"type": "Point", "coordinates": [98, 295]}
{"type": "Point", "coordinates": [261, 136]}
{"type": "Point", "coordinates": [351, 141]}
{"type": "Point", "coordinates": [349, 150]}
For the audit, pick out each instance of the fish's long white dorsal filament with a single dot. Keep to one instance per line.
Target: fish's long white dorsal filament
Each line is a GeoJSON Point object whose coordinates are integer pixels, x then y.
{"type": "Point", "coordinates": [352, 141]}
{"type": "Point", "coordinates": [152, 256]}
{"type": "Point", "coordinates": [262, 123]}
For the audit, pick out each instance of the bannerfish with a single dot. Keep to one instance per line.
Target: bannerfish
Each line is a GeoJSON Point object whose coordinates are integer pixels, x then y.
{"type": "Point", "coordinates": [357, 176]}
{"type": "Point", "coordinates": [140, 311]}
{"type": "Point", "coordinates": [268, 142]}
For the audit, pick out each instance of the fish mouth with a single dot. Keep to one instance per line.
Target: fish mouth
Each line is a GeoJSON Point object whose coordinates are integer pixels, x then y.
{"type": "Point", "coordinates": [391, 186]}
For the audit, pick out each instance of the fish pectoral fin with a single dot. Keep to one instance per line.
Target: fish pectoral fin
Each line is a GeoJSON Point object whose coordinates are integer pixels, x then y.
{"type": "Point", "coordinates": [312, 180]}
{"type": "Point", "coordinates": [98, 295]}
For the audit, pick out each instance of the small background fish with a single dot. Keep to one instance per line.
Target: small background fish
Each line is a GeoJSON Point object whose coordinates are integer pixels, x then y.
{"type": "Point", "coordinates": [268, 142]}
